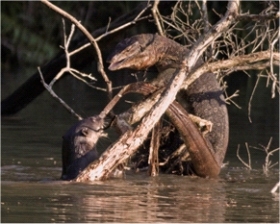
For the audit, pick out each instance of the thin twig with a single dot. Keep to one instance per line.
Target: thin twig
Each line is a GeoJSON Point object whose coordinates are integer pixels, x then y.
{"type": "Point", "coordinates": [205, 16]}
{"type": "Point", "coordinates": [237, 63]}
{"type": "Point", "coordinates": [229, 100]}
{"type": "Point", "coordinates": [156, 17]}
{"type": "Point", "coordinates": [136, 19]}
{"type": "Point", "coordinates": [65, 47]}
{"type": "Point", "coordinates": [274, 79]}
{"type": "Point", "coordinates": [248, 165]}
{"type": "Point", "coordinates": [274, 189]}
{"type": "Point", "coordinates": [267, 165]}
{"type": "Point", "coordinates": [258, 17]}
{"type": "Point", "coordinates": [49, 89]}
{"type": "Point", "coordinates": [68, 68]}
{"type": "Point", "coordinates": [91, 39]}
{"type": "Point", "coordinates": [251, 99]}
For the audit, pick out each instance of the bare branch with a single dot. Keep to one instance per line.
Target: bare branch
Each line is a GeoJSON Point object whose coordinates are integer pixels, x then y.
{"type": "Point", "coordinates": [229, 98]}
{"type": "Point", "coordinates": [251, 98]}
{"type": "Point", "coordinates": [64, 70]}
{"type": "Point", "coordinates": [228, 45]}
{"type": "Point", "coordinates": [136, 19]}
{"type": "Point", "coordinates": [205, 16]}
{"type": "Point", "coordinates": [267, 165]}
{"type": "Point", "coordinates": [254, 17]}
{"type": "Point", "coordinates": [91, 39]}
{"type": "Point", "coordinates": [131, 140]}
{"type": "Point", "coordinates": [154, 147]}
{"type": "Point", "coordinates": [204, 41]}
{"type": "Point", "coordinates": [48, 87]}
{"type": "Point", "coordinates": [248, 165]}
{"type": "Point", "coordinates": [237, 63]}
{"type": "Point", "coordinates": [156, 16]}
{"type": "Point", "coordinates": [273, 76]}
{"type": "Point", "coordinates": [274, 189]}
{"type": "Point", "coordinates": [66, 45]}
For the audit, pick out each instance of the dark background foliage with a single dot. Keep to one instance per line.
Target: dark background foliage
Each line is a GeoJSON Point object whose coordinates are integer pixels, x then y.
{"type": "Point", "coordinates": [31, 34]}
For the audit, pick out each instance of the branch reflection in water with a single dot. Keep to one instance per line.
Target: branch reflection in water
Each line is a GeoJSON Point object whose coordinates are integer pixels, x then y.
{"type": "Point", "coordinates": [141, 199]}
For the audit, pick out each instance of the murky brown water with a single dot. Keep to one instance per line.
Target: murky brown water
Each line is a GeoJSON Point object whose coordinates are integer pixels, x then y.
{"type": "Point", "coordinates": [32, 192]}
{"type": "Point", "coordinates": [140, 199]}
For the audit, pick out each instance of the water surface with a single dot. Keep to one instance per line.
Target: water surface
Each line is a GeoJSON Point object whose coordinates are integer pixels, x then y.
{"type": "Point", "coordinates": [32, 192]}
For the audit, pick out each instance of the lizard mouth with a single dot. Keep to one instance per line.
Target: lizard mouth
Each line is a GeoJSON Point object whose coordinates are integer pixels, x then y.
{"type": "Point", "coordinates": [121, 62]}
{"type": "Point", "coordinates": [115, 65]}
{"type": "Point", "coordinates": [131, 53]}
{"type": "Point", "coordinates": [124, 56]}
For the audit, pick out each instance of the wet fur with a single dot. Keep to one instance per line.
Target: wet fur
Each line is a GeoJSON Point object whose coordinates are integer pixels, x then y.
{"type": "Point", "coordinates": [79, 146]}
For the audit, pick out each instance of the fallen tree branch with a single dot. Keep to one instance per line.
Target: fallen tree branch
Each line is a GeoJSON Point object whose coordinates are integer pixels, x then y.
{"type": "Point", "coordinates": [153, 153]}
{"type": "Point", "coordinates": [131, 140]}
{"type": "Point", "coordinates": [241, 62]}
{"type": "Point", "coordinates": [258, 17]}
{"type": "Point", "coordinates": [257, 61]}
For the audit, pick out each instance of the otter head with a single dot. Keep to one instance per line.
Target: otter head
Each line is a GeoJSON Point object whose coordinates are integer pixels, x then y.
{"type": "Point", "coordinates": [79, 146]}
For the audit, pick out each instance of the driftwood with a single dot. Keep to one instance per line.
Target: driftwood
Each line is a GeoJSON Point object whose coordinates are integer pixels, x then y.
{"type": "Point", "coordinates": [160, 97]}
{"type": "Point", "coordinates": [132, 139]}
{"type": "Point", "coordinates": [154, 147]}
{"type": "Point", "coordinates": [179, 117]}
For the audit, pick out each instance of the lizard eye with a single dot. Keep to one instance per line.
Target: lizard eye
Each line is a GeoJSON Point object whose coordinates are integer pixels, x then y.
{"type": "Point", "coordinates": [128, 48]}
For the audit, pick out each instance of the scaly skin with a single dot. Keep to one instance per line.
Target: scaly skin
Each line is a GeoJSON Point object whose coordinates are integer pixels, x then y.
{"type": "Point", "coordinates": [202, 98]}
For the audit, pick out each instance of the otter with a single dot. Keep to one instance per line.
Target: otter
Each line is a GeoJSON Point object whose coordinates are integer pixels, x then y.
{"type": "Point", "coordinates": [203, 98]}
{"type": "Point", "coordinates": [79, 146]}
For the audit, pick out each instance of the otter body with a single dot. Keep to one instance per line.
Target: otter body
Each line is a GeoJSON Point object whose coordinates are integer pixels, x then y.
{"type": "Point", "coordinates": [79, 146]}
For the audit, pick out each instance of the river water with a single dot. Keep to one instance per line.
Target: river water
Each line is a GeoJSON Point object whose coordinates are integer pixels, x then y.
{"type": "Point", "coordinates": [31, 167]}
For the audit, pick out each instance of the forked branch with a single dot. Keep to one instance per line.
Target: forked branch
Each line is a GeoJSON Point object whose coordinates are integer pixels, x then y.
{"type": "Point", "coordinates": [131, 140]}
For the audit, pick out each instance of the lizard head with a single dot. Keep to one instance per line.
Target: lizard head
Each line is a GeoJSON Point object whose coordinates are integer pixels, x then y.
{"type": "Point", "coordinates": [142, 51]}
{"type": "Point", "coordinates": [136, 52]}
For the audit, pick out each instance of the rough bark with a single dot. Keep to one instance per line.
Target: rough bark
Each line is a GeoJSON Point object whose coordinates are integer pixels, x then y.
{"type": "Point", "coordinates": [205, 159]}
{"type": "Point", "coordinates": [131, 140]}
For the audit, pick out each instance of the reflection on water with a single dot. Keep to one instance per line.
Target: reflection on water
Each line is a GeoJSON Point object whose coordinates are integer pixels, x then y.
{"type": "Point", "coordinates": [31, 190]}
{"type": "Point", "coordinates": [142, 199]}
